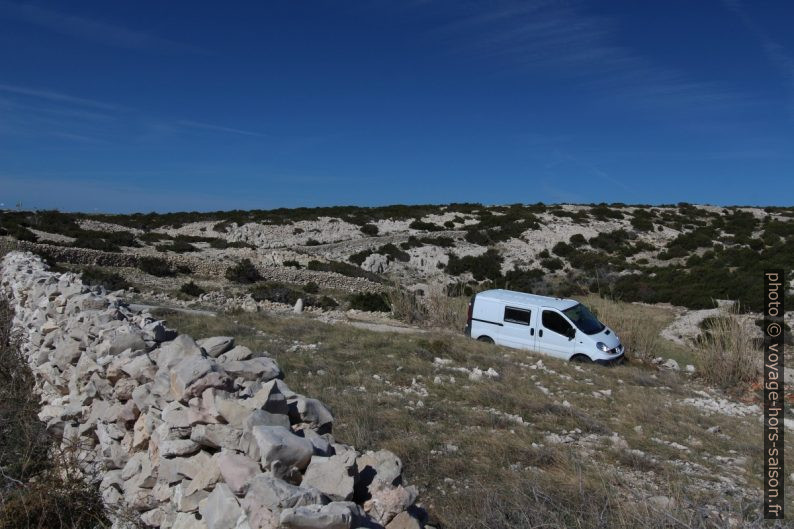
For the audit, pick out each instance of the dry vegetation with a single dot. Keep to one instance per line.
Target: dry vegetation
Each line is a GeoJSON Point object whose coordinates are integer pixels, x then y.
{"type": "Point", "coordinates": [478, 466]}
{"type": "Point", "coordinates": [40, 485]}
{"type": "Point", "coordinates": [727, 354]}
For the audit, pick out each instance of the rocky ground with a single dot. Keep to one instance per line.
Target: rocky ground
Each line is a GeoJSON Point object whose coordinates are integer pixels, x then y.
{"type": "Point", "coordinates": [490, 437]}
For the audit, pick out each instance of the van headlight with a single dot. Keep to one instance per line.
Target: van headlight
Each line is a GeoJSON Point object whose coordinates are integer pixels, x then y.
{"type": "Point", "coordinates": [601, 346]}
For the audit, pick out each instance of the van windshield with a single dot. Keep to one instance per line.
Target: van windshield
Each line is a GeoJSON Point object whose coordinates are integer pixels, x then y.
{"type": "Point", "coordinates": [584, 319]}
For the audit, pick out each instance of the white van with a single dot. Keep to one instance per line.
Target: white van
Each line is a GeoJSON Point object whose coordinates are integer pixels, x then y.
{"type": "Point", "coordinates": [558, 327]}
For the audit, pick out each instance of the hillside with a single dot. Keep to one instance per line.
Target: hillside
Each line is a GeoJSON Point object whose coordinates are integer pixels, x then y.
{"type": "Point", "coordinates": [685, 255]}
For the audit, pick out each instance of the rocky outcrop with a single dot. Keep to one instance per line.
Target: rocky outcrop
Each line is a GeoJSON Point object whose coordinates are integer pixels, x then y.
{"type": "Point", "coordinates": [190, 434]}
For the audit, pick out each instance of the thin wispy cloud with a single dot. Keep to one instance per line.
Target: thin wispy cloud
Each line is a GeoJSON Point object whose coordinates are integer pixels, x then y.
{"type": "Point", "coordinates": [775, 53]}
{"type": "Point", "coordinates": [565, 41]}
{"type": "Point", "coordinates": [92, 29]}
{"type": "Point", "coordinates": [56, 96]}
{"type": "Point", "coordinates": [33, 111]}
{"type": "Point", "coordinates": [217, 128]}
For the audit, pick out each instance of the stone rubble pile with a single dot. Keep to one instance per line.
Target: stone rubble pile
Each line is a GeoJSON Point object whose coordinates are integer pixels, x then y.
{"type": "Point", "coordinates": [190, 434]}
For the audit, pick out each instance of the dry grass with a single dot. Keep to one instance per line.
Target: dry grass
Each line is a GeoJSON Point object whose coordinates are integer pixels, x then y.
{"type": "Point", "coordinates": [479, 469]}
{"type": "Point", "coordinates": [637, 325]}
{"type": "Point", "coordinates": [434, 309]}
{"type": "Point", "coordinates": [727, 355]}
{"type": "Point", "coordinates": [40, 484]}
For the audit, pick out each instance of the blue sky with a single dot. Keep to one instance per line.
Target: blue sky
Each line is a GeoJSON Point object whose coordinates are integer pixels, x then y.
{"type": "Point", "coordinates": [156, 106]}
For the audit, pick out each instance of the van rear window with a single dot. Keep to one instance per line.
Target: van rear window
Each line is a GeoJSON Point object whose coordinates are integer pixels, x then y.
{"type": "Point", "coordinates": [520, 316]}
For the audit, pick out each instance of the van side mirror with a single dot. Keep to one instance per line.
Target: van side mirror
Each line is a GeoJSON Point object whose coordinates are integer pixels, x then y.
{"type": "Point", "coordinates": [571, 334]}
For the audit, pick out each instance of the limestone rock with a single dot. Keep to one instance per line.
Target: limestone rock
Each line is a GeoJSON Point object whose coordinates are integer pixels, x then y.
{"type": "Point", "coordinates": [279, 444]}
{"type": "Point", "coordinates": [221, 510]}
{"type": "Point", "coordinates": [217, 345]}
{"type": "Point", "coordinates": [333, 476]}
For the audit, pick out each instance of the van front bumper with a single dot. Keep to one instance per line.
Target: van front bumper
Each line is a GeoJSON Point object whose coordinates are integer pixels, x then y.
{"type": "Point", "coordinates": [611, 361]}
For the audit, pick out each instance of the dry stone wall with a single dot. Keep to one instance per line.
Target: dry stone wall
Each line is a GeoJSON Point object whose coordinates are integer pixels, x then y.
{"type": "Point", "coordinates": [190, 434]}
{"type": "Point", "coordinates": [207, 266]}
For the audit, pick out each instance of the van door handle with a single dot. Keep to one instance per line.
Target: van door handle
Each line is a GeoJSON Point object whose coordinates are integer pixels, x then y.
{"type": "Point", "coordinates": [532, 332]}
{"type": "Point", "coordinates": [540, 333]}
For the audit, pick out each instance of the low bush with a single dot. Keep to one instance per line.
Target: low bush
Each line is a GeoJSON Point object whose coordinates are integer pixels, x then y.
{"type": "Point", "coordinates": [552, 264]}
{"type": "Point", "coordinates": [312, 242]}
{"type": "Point", "coordinates": [369, 301]}
{"type": "Point", "coordinates": [612, 241]}
{"type": "Point", "coordinates": [292, 264]}
{"type": "Point", "coordinates": [177, 246]}
{"type": "Point", "coordinates": [323, 302]}
{"type": "Point", "coordinates": [192, 289]}
{"type": "Point", "coordinates": [641, 224]}
{"type": "Point", "coordinates": [243, 272]}
{"type": "Point", "coordinates": [443, 242]}
{"type": "Point", "coordinates": [577, 240]}
{"type": "Point", "coordinates": [485, 266]}
{"type": "Point", "coordinates": [359, 257]}
{"type": "Point", "coordinates": [110, 280]}
{"type": "Point", "coordinates": [275, 292]}
{"type": "Point", "coordinates": [562, 249]}
{"type": "Point", "coordinates": [394, 253]}
{"type": "Point", "coordinates": [424, 226]}
{"type": "Point", "coordinates": [311, 287]}
{"type": "Point", "coordinates": [369, 229]}
{"type": "Point", "coordinates": [605, 212]}
{"type": "Point", "coordinates": [156, 267]}
{"type": "Point", "coordinates": [153, 237]}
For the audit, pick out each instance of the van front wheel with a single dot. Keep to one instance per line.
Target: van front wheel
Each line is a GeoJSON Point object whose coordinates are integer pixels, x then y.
{"type": "Point", "coordinates": [486, 339]}
{"type": "Point", "coordinates": [581, 359]}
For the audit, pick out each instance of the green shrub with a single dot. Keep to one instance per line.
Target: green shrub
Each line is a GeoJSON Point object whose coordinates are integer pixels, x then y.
{"type": "Point", "coordinates": [156, 267]}
{"type": "Point", "coordinates": [485, 266]}
{"type": "Point", "coordinates": [311, 287]}
{"type": "Point", "coordinates": [323, 302]}
{"type": "Point", "coordinates": [359, 257]}
{"type": "Point", "coordinates": [449, 224]}
{"type": "Point", "coordinates": [424, 226]}
{"type": "Point", "coordinates": [412, 242]}
{"type": "Point", "coordinates": [394, 253]}
{"type": "Point", "coordinates": [369, 301]}
{"type": "Point", "coordinates": [369, 229]}
{"type": "Point", "coordinates": [479, 237]}
{"type": "Point", "coordinates": [612, 241]}
{"type": "Point", "coordinates": [551, 264]}
{"type": "Point", "coordinates": [191, 289]}
{"type": "Point", "coordinates": [562, 249]}
{"type": "Point", "coordinates": [178, 246]}
{"type": "Point", "coordinates": [577, 240]}
{"type": "Point", "coordinates": [292, 264]}
{"type": "Point", "coordinates": [523, 280]}
{"type": "Point", "coordinates": [276, 293]}
{"type": "Point", "coordinates": [312, 242]}
{"type": "Point", "coordinates": [641, 224]}
{"type": "Point", "coordinates": [153, 237]}
{"type": "Point", "coordinates": [443, 242]}
{"type": "Point", "coordinates": [605, 212]}
{"type": "Point", "coordinates": [243, 272]}
{"type": "Point", "coordinates": [110, 280]}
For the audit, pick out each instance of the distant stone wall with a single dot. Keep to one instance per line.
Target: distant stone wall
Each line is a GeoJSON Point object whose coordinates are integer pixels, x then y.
{"type": "Point", "coordinates": [190, 434]}
{"type": "Point", "coordinates": [201, 266]}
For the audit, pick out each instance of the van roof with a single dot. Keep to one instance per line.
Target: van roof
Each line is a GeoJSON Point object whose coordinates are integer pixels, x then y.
{"type": "Point", "coordinates": [527, 299]}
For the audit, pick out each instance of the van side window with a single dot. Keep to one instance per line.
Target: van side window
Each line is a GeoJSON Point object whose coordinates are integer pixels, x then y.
{"type": "Point", "coordinates": [520, 316]}
{"type": "Point", "coordinates": [554, 322]}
